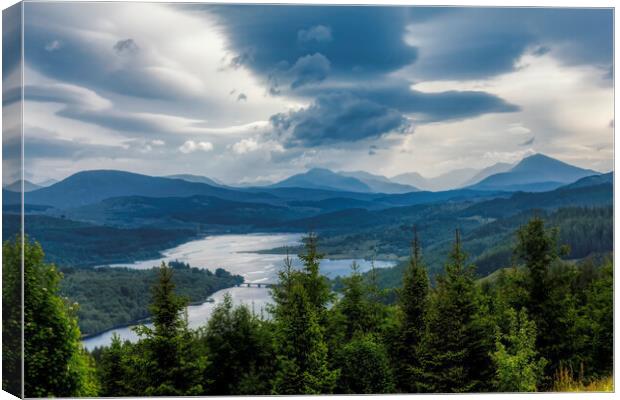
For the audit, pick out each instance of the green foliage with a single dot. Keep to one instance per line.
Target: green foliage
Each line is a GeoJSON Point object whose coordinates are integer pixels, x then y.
{"type": "Point", "coordinates": [113, 369]}
{"type": "Point", "coordinates": [12, 317]}
{"type": "Point", "coordinates": [173, 367]}
{"type": "Point", "coordinates": [358, 310]}
{"type": "Point", "coordinates": [364, 367]}
{"type": "Point", "coordinates": [586, 231]}
{"type": "Point", "coordinates": [110, 297]}
{"type": "Point", "coordinates": [456, 342]}
{"type": "Point", "coordinates": [300, 303]}
{"type": "Point", "coordinates": [316, 285]}
{"type": "Point", "coordinates": [55, 363]}
{"type": "Point", "coordinates": [82, 244]}
{"type": "Point", "coordinates": [413, 303]}
{"type": "Point", "coordinates": [460, 335]}
{"type": "Point", "coordinates": [302, 352]}
{"type": "Point", "coordinates": [598, 314]}
{"type": "Point", "coordinates": [518, 366]}
{"type": "Point", "coordinates": [240, 350]}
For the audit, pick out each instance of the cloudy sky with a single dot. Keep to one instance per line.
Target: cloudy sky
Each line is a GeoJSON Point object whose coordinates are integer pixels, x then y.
{"type": "Point", "coordinates": [254, 93]}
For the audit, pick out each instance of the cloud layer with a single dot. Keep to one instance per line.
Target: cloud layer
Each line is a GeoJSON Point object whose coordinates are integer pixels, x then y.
{"type": "Point", "coordinates": [267, 91]}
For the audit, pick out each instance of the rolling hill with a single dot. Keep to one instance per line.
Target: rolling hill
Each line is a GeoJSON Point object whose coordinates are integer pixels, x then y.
{"type": "Point", "coordinates": [321, 178]}
{"type": "Point", "coordinates": [195, 179]}
{"type": "Point", "coordinates": [90, 187]}
{"type": "Point", "coordinates": [180, 212]}
{"type": "Point", "coordinates": [380, 184]}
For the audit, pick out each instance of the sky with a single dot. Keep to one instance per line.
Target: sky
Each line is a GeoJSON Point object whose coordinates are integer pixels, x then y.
{"type": "Point", "coordinates": [247, 94]}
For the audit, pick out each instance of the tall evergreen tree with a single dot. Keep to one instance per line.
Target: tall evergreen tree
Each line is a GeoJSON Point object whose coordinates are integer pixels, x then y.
{"type": "Point", "coordinates": [364, 367]}
{"type": "Point", "coordinates": [113, 369]}
{"type": "Point", "coordinates": [240, 349]}
{"type": "Point", "coordinates": [316, 285]}
{"type": "Point", "coordinates": [599, 317]}
{"type": "Point", "coordinates": [355, 305]}
{"type": "Point", "coordinates": [456, 345]}
{"type": "Point", "coordinates": [302, 352]}
{"type": "Point", "coordinates": [172, 365]}
{"type": "Point", "coordinates": [538, 248]}
{"type": "Point", "coordinates": [413, 304]}
{"type": "Point", "coordinates": [551, 303]}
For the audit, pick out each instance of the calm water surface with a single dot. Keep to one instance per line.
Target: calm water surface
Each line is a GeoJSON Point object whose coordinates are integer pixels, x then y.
{"type": "Point", "coordinates": [237, 254]}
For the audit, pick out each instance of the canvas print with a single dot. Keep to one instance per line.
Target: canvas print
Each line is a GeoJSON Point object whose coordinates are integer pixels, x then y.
{"type": "Point", "coordinates": [228, 199]}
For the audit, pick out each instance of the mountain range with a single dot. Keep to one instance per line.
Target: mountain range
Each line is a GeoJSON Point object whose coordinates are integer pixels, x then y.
{"type": "Point", "coordinates": [356, 212]}
{"type": "Point", "coordinates": [532, 174]}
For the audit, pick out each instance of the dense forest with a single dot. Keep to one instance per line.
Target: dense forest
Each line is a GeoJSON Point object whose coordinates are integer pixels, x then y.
{"type": "Point", "coordinates": [110, 297]}
{"type": "Point", "coordinates": [544, 324]}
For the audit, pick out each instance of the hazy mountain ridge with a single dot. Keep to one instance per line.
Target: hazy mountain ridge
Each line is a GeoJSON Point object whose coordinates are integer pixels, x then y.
{"type": "Point", "coordinates": [17, 186]}
{"type": "Point", "coordinates": [446, 181]}
{"type": "Point", "coordinates": [321, 178]}
{"type": "Point", "coordinates": [535, 173]}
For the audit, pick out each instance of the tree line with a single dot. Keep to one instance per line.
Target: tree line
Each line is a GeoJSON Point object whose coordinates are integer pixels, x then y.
{"type": "Point", "coordinates": [544, 324]}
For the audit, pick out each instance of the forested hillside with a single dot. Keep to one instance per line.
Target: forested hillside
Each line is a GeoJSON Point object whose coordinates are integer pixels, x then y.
{"type": "Point", "coordinates": [543, 325]}
{"type": "Point", "coordinates": [110, 297]}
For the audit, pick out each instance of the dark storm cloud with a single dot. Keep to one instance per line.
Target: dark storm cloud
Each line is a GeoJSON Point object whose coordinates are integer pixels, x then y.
{"type": "Point", "coordinates": [11, 39]}
{"type": "Point", "coordinates": [371, 37]}
{"type": "Point", "coordinates": [428, 107]}
{"type": "Point", "coordinates": [468, 43]}
{"type": "Point", "coordinates": [309, 69]}
{"type": "Point", "coordinates": [317, 33]}
{"type": "Point", "coordinates": [337, 117]}
{"type": "Point", "coordinates": [369, 112]}
{"type": "Point", "coordinates": [447, 43]}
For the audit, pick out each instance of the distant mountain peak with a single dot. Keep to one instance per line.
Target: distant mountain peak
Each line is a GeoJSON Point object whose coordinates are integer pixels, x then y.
{"type": "Point", "coordinates": [534, 173]}
{"type": "Point", "coordinates": [323, 178]}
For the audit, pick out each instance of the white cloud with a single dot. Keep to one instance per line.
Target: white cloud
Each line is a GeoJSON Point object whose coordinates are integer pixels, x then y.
{"type": "Point", "coordinates": [245, 146]}
{"type": "Point", "coordinates": [158, 142]}
{"type": "Point", "coordinates": [190, 146]}
{"type": "Point", "coordinates": [182, 64]}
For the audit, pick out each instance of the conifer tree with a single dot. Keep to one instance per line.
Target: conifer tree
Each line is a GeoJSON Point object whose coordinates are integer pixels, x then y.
{"type": "Point", "coordinates": [413, 303]}
{"type": "Point", "coordinates": [551, 303]}
{"type": "Point", "coordinates": [538, 248]}
{"type": "Point", "coordinates": [172, 365]}
{"type": "Point", "coordinates": [302, 352]}
{"type": "Point", "coordinates": [112, 369]}
{"type": "Point", "coordinates": [355, 305]}
{"type": "Point", "coordinates": [316, 285]}
{"type": "Point", "coordinates": [240, 351]}
{"type": "Point", "coordinates": [365, 367]}
{"type": "Point", "coordinates": [456, 346]}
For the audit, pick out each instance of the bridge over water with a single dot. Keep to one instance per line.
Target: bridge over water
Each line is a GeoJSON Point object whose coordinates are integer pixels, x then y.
{"type": "Point", "coordinates": [256, 284]}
